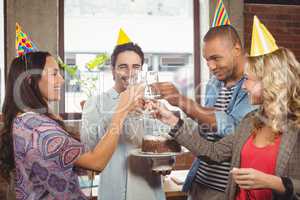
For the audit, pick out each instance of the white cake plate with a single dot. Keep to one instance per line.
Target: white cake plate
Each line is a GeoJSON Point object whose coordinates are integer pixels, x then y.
{"type": "Point", "coordinates": [139, 153]}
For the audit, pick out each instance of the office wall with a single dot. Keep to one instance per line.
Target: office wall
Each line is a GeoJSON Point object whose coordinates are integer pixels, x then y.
{"type": "Point", "coordinates": [37, 18]}
{"type": "Point", "coordinates": [283, 21]}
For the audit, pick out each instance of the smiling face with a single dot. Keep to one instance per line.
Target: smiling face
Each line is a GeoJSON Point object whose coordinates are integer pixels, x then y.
{"type": "Point", "coordinates": [221, 57]}
{"type": "Point", "coordinates": [254, 88]}
{"type": "Point", "coordinates": [51, 80]}
{"type": "Point", "coordinates": [127, 63]}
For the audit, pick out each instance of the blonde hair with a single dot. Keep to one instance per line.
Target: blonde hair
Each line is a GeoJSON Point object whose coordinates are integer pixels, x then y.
{"type": "Point", "coordinates": [279, 72]}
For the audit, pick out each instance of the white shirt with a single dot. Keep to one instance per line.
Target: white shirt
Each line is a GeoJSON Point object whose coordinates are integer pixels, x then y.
{"type": "Point", "coordinates": [125, 177]}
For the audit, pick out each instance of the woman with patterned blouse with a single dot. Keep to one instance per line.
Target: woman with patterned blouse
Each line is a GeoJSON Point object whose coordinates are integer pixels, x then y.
{"type": "Point", "coordinates": [34, 142]}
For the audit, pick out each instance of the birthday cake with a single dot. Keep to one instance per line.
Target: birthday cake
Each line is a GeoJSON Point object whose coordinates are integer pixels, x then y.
{"type": "Point", "coordinates": [159, 144]}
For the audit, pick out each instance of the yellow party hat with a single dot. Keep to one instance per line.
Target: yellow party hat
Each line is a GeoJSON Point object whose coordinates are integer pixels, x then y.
{"type": "Point", "coordinates": [262, 40]}
{"type": "Point", "coordinates": [123, 38]}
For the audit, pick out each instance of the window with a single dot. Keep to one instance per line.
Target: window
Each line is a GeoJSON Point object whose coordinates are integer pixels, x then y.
{"type": "Point", "coordinates": [2, 71]}
{"type": "Point", "coordinates": [163, 29]}
{"type": "Point", "coordinates": [173, 61]}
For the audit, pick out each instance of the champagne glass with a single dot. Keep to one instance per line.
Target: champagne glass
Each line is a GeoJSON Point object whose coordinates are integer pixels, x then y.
{"type": "Point", "coordinates": [151, 77]}
{"type": "Point", "coordinates": [147, 78]}
{"type": "Point", "coordinates": [137, 126]}
{"type": "Point", "coordinates": [137, 77]}
{"type": "Point", "coordinates": [150, 94]}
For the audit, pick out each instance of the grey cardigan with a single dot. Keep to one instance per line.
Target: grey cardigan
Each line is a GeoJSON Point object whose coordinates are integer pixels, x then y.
{"type": "Point", "coordinates": [229, 148]}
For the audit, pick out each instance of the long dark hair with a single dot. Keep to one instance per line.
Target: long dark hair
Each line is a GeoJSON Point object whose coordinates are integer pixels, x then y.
{"type": "Point", "coordinates": [21, 94]}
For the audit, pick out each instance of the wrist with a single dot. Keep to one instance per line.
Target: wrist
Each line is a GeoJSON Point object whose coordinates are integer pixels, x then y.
{"type": "Point", "coordinates": [287, 187]}
{"type": "Point", "coordinates": [183, 102]}
{"type": "Point", "coordinates": [268, 181]}
{"type": "Point", "coordinates": [175, 128]}
{"type": "Point", "coordinates": [275, 183]}
{"type": "Point", "coordinates": [120, 114]}
{"type": "Point", "coordinates": [122, 108]}
{"type": "Point", "coordinates": [173, 121]}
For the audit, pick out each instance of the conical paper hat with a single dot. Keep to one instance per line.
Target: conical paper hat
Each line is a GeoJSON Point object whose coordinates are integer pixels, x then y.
{"type": "Point", "coordinates": [262, 40]}
{"type": "Point", "coordinates": [221, 17]}
{"type": "Point", "coordinates": [123, 38]}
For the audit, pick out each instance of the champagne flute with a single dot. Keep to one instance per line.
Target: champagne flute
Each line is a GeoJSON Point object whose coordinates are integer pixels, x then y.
{"type": "Point", "coordinates": [138, 125]}
{"type": "Point", "coordinates": [147, 78]}
{"type": "Point", "coordinates": [150, 94]}
{"type": "Point", "coordinates": [137, 77]}
{"type": "Point", "coordinates": [151, 77]}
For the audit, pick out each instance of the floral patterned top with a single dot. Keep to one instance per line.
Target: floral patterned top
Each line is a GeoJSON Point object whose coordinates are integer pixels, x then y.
{"type": "Point", "coordinates": [44, 157]}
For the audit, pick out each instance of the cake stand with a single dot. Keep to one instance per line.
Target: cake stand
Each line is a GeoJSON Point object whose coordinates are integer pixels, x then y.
{"type": "Point", "coordinates": [139, 153]}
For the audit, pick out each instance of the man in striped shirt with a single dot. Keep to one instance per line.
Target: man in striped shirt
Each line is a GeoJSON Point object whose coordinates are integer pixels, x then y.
{"type": "Point", "coordinates": [225, 105]}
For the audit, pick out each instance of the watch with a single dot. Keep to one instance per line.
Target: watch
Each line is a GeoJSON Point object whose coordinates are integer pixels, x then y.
{"type": "Point", "coordinates": [174, 130]}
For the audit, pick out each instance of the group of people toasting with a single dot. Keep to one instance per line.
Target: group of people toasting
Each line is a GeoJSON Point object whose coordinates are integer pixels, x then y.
{"type": "Point", "coordinates": [246, 143]}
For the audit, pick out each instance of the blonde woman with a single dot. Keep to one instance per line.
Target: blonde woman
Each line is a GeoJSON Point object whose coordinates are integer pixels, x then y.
{"type": "Point", "coordinates": [265, 150]}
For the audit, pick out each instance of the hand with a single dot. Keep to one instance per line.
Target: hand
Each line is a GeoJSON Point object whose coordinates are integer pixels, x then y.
{"type": "Point", "coordinates": [248, 178]}
{"type": "Point", "coordinates": [161, 112]}
{"type": "Point", "coordinates": [131, 97]}
{"type": "Point", "coordinates": [138, 106]}
{"type": "Point", "coordinates": [168, 92]}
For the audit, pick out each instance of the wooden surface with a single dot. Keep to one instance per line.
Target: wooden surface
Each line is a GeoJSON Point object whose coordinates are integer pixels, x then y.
{"type": "Point", "coordinates": [173, 185]}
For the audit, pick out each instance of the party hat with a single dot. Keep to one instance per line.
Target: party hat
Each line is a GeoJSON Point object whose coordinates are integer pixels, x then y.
{"type": "Point", "coordinates": [221, 16]}
{"type": "Point", "coordinates": [262, 40]}
{"type": "Point", "coordinates": [23, 42]}
{"type": "Point", "coordinates": [123, 38]}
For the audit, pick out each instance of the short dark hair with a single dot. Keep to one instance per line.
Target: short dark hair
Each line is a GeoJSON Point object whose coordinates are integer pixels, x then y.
{"type": "Point", "coordinates": [126, 47]}
{"type": "Point", "coordinates": [224, 31]}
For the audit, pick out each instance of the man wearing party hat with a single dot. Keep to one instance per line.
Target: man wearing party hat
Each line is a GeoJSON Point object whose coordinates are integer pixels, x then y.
{"type": "Point", "coordinates": [226, 103]}
{"type": "Point", "coordinates": [125, 177]}
{"type": "Point", "coordinates": [264, 150]}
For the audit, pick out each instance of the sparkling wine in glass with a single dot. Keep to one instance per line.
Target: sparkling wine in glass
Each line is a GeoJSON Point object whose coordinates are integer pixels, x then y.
{"type": "Point", "coordinates": [137, 77]}
{"type": "Point", "coordinates": [150, 93]}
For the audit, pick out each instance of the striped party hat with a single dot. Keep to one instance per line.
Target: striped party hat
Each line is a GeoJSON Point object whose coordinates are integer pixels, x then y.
{"type": "Point", "coordinates": [221, 16]}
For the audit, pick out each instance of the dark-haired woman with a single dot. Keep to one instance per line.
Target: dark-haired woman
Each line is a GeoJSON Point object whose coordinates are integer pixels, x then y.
{"type": "Point", "coordinates": [34, 141]}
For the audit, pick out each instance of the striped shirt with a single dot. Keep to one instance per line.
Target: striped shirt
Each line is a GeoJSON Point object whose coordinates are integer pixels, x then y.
{"type": "Point", "coordinates": [215, 176]}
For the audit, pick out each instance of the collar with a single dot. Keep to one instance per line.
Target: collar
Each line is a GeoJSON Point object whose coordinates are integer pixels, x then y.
{"type": "Point", "coordinates": [241, 80]}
